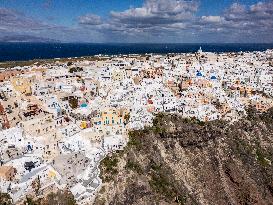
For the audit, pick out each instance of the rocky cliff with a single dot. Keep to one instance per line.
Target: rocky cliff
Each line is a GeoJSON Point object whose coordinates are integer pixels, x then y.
{"type": "Point", "coordinates": [185, 161]}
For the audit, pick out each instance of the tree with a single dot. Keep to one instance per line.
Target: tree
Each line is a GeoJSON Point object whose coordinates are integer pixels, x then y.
{"type": "Point", "coordinates": [5, 199]}
{"type": "Point", "coordinates": [31, 201]}
{"type": "Point", "coordinates": [73, 102]}
{"type": "Point", "coordinates": [75, 69]}
{"type": "Point", "coordinates": [36, 185]}
{"type": "Point", "coordinates": [69, 63]}
{"type": "Point", "coordinates": [126, 118]}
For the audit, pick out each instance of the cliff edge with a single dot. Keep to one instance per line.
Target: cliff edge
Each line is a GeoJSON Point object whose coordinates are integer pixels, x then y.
{"type": "Point", "coordinates": [185, 161]}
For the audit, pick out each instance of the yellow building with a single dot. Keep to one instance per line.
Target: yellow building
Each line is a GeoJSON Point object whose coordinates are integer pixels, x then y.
{"type": "Point", "coordinates": [51, 174]}
{"type": "Point", "coordinates": [83, 124]}
{"type": "Point", "coordinates": [23, 85]}
{"type": "Point", "coordinates": [111, 117]}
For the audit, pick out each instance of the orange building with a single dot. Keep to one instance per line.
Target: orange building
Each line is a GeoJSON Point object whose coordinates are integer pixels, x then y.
{"type": "Point", "coordinates": [6, 75]}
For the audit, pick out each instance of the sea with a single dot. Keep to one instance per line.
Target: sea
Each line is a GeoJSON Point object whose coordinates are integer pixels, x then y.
{"type": "Point", "coordinates": [31, 51]}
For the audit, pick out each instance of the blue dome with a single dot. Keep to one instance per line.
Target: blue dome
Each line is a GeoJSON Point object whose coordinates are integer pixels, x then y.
{"type": "Point", "coordinates": [199, 74]}
{"type": "Point", "coordinates": [213, 77]}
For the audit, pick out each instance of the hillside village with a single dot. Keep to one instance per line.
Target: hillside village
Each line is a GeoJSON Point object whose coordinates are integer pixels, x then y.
{"type": "Point", "coordinates": [58, 120]}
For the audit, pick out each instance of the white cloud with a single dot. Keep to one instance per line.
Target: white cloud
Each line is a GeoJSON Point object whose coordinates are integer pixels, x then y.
{"type": "Point", "coordinates": [90, 19]}
{"type": "Point", "coordinates": [212, 19]}
{"type": "Point", "coordinates": [171, 20]}
{"type": "Point", "coordinates": [157, 12]}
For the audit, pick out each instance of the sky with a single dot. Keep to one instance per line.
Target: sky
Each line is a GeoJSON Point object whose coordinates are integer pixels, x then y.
{"type": "Point", "coordinates": [137, 21]}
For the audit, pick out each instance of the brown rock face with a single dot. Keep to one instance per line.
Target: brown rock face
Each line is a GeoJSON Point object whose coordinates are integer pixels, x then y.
{"type": "Point", "coordinates": [184, 161]}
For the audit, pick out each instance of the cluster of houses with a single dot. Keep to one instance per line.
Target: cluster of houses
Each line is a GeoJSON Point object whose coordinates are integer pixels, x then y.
{"type": "Point", "coordinates": [58, 120]}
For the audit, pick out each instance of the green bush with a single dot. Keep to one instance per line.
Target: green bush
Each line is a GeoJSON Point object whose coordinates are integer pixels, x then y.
{"type": "Point", "coordinates": [134, 166]}
{"type": "Point", "coordinates": [160, 183]}
{"type": "Point", "coordinates": [5, 199]}
{"type": "Point", "coordinates": [134, 139]}
{"type": "Point", "coordinates": [108, 168]}
{"type": "Point", "coordinates": [73, 103]}
{"type": "Point", "coordinates": [31, 201]}
{"type": "Point", "coordinates": [75, 69]}
{"type": "Point", "coordinates": [109, 163]}
{"type": "Point", "coordinates": [69, 63]}
{"type": "Point", "coordinates": [126, 118]}
{"type": "Point", "coordinates": [261, 158]}
{"type": "Point", "coordinates": [181, 199]}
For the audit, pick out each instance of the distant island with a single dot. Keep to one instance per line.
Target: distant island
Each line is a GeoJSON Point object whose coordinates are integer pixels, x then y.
{"type": "Point", "coordinates": [26, 39]}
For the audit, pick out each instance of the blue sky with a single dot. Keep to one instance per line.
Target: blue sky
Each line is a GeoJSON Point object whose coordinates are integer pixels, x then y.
{"type": "Point", "coordinates": [66, 11]}
{"type": "Point", "coordinates": [168, 21]}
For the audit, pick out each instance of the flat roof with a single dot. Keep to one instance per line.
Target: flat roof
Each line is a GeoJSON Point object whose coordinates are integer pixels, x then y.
{"type": "Point", "coordinates": [4, 169]}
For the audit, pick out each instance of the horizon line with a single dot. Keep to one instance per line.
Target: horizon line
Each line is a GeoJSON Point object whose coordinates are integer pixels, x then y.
{"type": "Point", "coordinates": [130, 42]}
